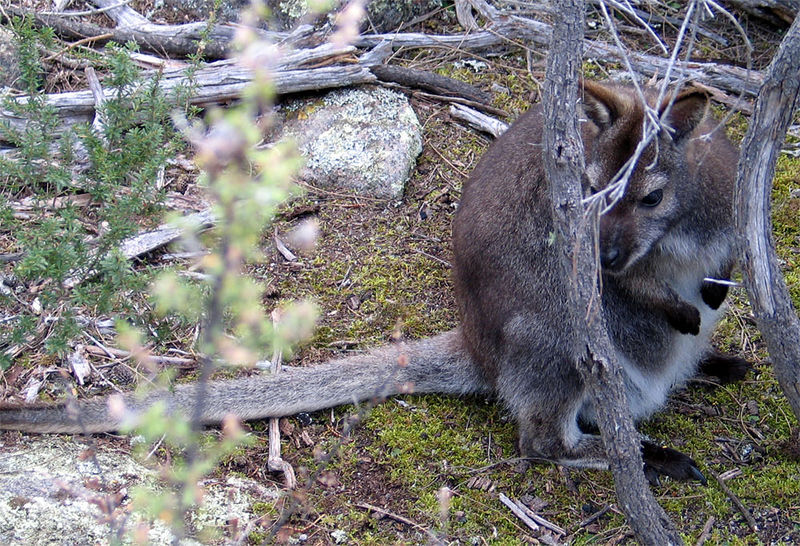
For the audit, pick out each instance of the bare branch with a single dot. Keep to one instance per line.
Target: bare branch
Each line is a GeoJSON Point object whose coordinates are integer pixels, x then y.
{"type": "Point", "coordinates": [772, 304]}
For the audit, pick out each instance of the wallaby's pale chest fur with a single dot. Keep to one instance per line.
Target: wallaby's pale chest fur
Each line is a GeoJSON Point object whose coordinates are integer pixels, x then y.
{"type": "Point", "coordinates": [671, 229]}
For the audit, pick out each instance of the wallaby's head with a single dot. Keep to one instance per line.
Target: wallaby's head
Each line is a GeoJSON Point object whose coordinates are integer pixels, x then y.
{"type": "Point", "coordinates": [659, 190]}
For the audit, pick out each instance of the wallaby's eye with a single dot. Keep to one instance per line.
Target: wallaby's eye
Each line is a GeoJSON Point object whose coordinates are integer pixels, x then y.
{"type": "Point", "coordinates": [653, 198]}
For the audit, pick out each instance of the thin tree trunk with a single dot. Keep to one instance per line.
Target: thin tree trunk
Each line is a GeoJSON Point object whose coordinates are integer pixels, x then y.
{"type": "Point", "coordinates": [772, 305]}
{"type": "Point", "coordinates": [563, 162]}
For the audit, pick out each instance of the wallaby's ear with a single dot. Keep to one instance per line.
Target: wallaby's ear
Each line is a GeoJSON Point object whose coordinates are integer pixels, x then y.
{"type": "Point", "coordinates": [688, 110]}
{"type": "Point", "coordinates": [601, 104]}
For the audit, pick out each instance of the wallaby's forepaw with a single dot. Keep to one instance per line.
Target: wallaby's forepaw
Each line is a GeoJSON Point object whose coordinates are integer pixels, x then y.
{"type": "Point", "coordinates": [665, 461]}
{"type": "Point", "coordinates": [684, 318]}
{"type": "Point", "coordinates": [727, 369]}
{"type": "Point", "coordinates": [713, 293]}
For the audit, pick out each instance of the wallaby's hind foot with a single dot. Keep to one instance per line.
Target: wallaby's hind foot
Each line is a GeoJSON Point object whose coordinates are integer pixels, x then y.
{"type": "Point", "coordinates": [587, 451]}
{"type": "Point", "coordinates": [726, 368]}
{"type": "Point", "coordinates": [665, 461]}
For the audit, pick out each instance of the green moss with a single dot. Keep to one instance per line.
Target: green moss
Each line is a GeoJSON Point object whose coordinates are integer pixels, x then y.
{"type": "Point", "coordinates": [786, 220]}
{"type": "Point", "coordinates": [512, 89]}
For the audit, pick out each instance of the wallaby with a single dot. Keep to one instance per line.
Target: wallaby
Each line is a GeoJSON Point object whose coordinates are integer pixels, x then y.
{"type": "Point", "coordinates": [670, 231]}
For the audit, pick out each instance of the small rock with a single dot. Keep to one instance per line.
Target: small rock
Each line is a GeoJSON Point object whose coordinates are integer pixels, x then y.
{"type": "Point", "coordinates": [339, 536]}
{"type": "Point", "coordinates": [328, 479]}
{"type": "Point", "coordinates": [364, 139]}
{"type": "Point", "coordinates": [9, 64]}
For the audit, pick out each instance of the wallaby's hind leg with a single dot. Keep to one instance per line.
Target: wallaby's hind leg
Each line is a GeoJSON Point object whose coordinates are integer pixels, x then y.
{"type": "Point", "coordinates": [559, 439]}
{"type": "Point", "coordinates": [727, 369]}
{"type": "Point", "coordinates": [588, 452]}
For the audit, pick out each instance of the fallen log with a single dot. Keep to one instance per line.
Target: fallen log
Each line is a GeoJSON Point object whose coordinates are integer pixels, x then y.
{"type": "Point", "coordinates": [217, 83]}
{"type": "Point", "coordinates": [430, 81]}
{"type": "Point", "coordinates": [167, 40]}
{"type": "Point", "coordinates": [777, 12]}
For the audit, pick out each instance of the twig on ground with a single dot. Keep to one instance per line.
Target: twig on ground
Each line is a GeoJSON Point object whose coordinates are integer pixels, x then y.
{"type": "Point", "coordinates": [275, 462]}
{"type": "Point", "coordinates": [119, 353]}
{"type": "Point", "coordinates": [478, 120]}
{"type": "Point", "coordinates": [706, 531]}
{"type": "Point", "coordinates": [432, 257]}
{"type": "Point", "coordinates": [90, 39]}
{"type": "Point", "coordinates": [539, 519]}
{"type": "Point", "coordinates": [465, 102]}
{"type": "Point", "coordinates": [591, 519]}
{"type": "Point", "coordinates": [401, 519]}
{"type": "Point", "coordinates": [281, 247]}
{"type": "Point", "coordinates": [751, 522]}
{"type": "Point", "coordinates": [517, 511]}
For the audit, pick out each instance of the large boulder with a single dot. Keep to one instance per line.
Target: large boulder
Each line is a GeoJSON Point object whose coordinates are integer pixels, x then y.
{"type": "Point", "coordinates": [52, 487]}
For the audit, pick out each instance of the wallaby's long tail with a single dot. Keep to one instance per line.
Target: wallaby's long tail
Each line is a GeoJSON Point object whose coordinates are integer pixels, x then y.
{"type": "Point", "coordinates": [437, 364]}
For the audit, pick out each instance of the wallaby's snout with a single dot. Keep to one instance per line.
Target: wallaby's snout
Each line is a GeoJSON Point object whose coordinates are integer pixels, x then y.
{"type": "Point", "coordinates": [615, 242]}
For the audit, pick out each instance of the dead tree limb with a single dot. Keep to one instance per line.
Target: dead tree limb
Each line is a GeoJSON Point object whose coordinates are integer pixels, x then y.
{"type": "Point", "coordinates": [522, 32]}
{"type": "Point", "coordinates": [275, 462]}
{"type": "Point", "coordinates": [429, 81]}
{"type": "Point", "coordinates": [147, 241]}
{"type": "Point", "coordinates": [564, 165]}
{"type": "Point", "coordinates": [215, 83]}
{"type": "Point", "coordinates": [777, 12]}
{"type": "Point", "coordinates": [772, 305]}
{"type": "Point", "coordinates": [169, 40]}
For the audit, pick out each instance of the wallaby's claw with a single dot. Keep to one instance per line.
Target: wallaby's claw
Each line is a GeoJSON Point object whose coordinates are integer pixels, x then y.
{"type": "Point", "coordinates": [665, 461]}
{"type": "Point", "coordinates": [685, 319]}
{"type": "Point", "coordinates": [697, 475]}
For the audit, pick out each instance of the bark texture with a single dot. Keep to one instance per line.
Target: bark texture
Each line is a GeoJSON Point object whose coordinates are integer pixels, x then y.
{"type": "Point", "coordinates": [772, 305]}
{"type": "Point", "coordinates": [775, 11]}
{"type": "Point", "coordinates": [564, 164]}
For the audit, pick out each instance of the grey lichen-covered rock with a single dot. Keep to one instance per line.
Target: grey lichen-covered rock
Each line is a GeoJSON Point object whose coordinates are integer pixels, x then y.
{"type": "Point", "coordinates": [286, 14]}
{"type": "Point", "coordinates": [9, 64]}
{"type": "Point", "coordinates": [389, 15]}
{"type": "Point", "coordinates": [364, 139]}
{"type": "Point", "coordinates": [381, 16]}
{"type": "Point", "coordinates": [190, 11]}
{"type": "Point", "coordinates": [50, 491]}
